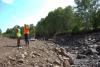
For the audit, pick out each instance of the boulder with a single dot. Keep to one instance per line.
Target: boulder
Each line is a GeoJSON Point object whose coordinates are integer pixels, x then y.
{"type": "Point", "coordinates": [57, 62]}
{"type": "Point", "coordinates": [66, 63]}
{"type": "Point", "coordinates": [20, 61]}
{"type": "Point", "coordinates": [86, 52]}
{"type": "Point", "coordinates": [80, 56]}
{"type": "Point", "coordinates": [98, 49]}
{"type": "Point", "coordinates": [89, 52]}
{"type": "Point", "coordinates": [56, 66]}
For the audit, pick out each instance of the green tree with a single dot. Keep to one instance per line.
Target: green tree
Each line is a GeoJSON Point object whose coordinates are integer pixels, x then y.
{"type": "Point", "coordinates": [59, 20]}
{"type": "Point", "coordinates": [32, 30]}
{"type": "Point", "coordinates": [11, 32]}
{"type": "Point", "coordinates": [86, 11]}
{"type": "Point", "coordinates": [96, 20]}
{"type": "Point", "coordinates": [0, 31]}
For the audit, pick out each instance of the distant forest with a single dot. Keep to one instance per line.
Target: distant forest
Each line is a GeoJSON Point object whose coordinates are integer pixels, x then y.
{"type": "Point", "coordinates": [85, 16]}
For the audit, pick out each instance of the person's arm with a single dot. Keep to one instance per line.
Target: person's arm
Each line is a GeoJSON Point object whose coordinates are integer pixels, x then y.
{"type": "Point", "coordinates": [16, 32]}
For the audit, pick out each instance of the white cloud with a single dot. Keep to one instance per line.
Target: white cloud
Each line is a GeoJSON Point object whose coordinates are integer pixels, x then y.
{"type": "Point", "coordinates": [8, 1]}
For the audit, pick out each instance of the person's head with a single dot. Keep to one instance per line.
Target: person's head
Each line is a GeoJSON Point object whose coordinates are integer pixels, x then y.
{"type": "Point", "coordinates": [25, 25]}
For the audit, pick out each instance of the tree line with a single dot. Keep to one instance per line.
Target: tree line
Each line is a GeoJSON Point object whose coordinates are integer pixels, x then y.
{"type": "Point", "coordinates": [85, 16]}
{"type": "Point", "coordinates": [11, 32]}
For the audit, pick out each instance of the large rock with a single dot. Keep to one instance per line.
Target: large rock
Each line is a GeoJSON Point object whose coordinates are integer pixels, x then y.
{"type": "Point", "coordinates": [89, 52]}
{"type": "Point", "coordinates": [86, 52]}
{"type": "Point", "coordinates": [20, 61]}
{"type": "Point", "coordinates": [57, 62]}
{"type": "Point", "coordinates": [98, 49]}
{"type": "Point", "coordinates": [80, 56]}
{"type": "Point", "coordinates": [98, 65]}
{"type": "Point", "coordinates": [62, 53]}
{"type": "Point", "coordinates": [11, 58]}
{"type": "Point", "coordinates": [66, 63]}
{"type": "Point", "coordinates": [56, 66]}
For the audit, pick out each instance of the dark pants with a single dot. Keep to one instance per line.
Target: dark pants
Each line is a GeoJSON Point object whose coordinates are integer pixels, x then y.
{"type": "Point", "coordinates": [26, 36]}
{"type": "Point", "coordinates": [18, 41]}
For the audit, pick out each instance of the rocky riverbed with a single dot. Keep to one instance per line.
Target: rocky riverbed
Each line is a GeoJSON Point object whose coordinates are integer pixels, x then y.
{"type": "Point", "coordinates": [68, 50]}
{"type": "Point", "coordinates": [84, 48]}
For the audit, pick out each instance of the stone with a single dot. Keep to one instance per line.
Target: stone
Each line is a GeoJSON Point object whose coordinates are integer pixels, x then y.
{"type": "Point", "coordinates": [60, 57]}
{"type": "Point", "coordinates": [49, 60]}
{"type": "Point", "coordinates": [88, 52]}
{"type": "Point", "coordinates": [65, 58]}
{"type": "Point", "coordinates": [49, 65]}
{"type": "Point", "coordinates": [66, 63]}
{"type": "Point", "coordinates": [36, 66]}
{"type": "Point", "coordinates": [98, 49]}
{"type": "Point", "coordinates": [20, 61]}
{"type": "Point", "coordinates": [56, 66]}
{"type": "Point", "coordinates": [63, 50]}
{"type": "Point", "coordinates": [90, 39]}
{"type": "Point", "coordinates": [80, 56]}
{"type": "Point", "coordinates": [57, 62]}
{"type": "Point", "coordinates": [25, 53]}
{"type": "Point", "coordinates": [69, 60]}
{"type": "Point", "coordinates": [37, 54]}
{"type": "Point", "coordinates": [23, 56]}
{"type": "Point", "coordinates": [57, 50]}
{"type": "Point", "coordinates": [33, 56]}
{"type": "Point", "coordinates": [98, 64]}
{"type": "Point", "coordinates": [11, 58]}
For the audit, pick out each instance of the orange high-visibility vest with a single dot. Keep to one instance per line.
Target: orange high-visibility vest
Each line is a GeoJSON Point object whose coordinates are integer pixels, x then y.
{"type": "Point", "coordinates": [26, 30]}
